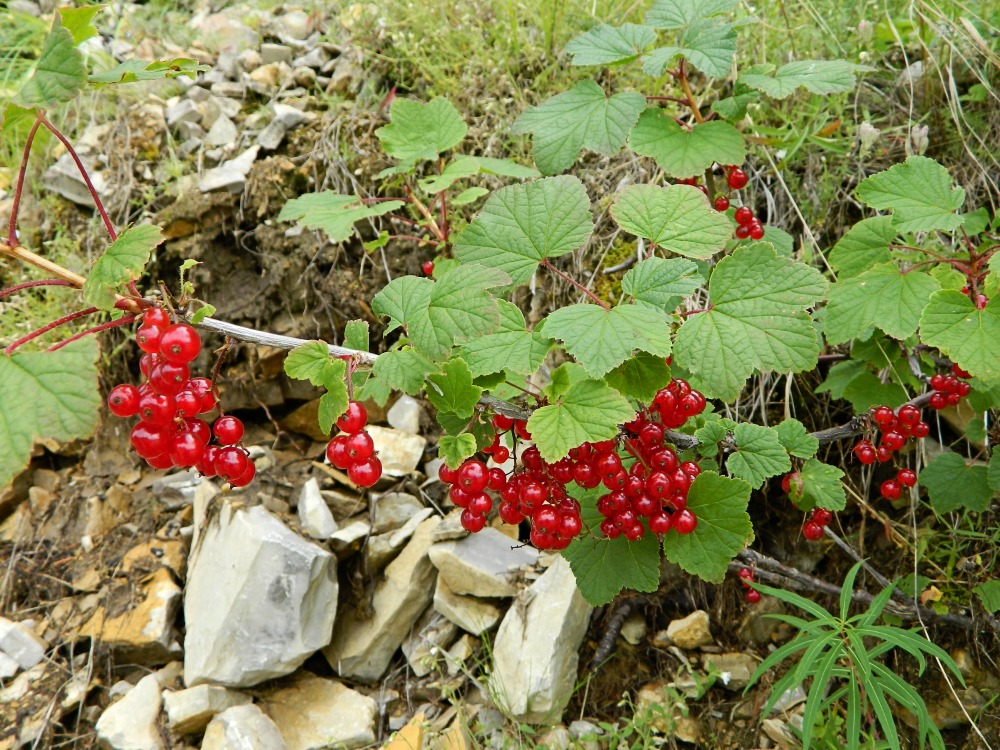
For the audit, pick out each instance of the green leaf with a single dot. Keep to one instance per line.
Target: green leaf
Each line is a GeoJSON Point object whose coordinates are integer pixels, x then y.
{"type": "Point", "coordinates": [59, 73]}
{"type": "Point", "coordinates": [454, 449]}
{"type": "Point", "coordinates": [131, 71]}
{"type": "Point", "coordinates": [821, 487]}
{"type": "Point", "coordinates": [677, 218]}
{"type": "Point", "coordinates": [883, 297]}
{"type": "Point", "coordinates": [710, 435]}
{"type": "Point", "coordinates": [840, 376]}
{"type": "Point", "coordinates": [403, 370]}
{"type": "Point", "coordinates": [952, 484]}
{"type": "Point", "coordinates": [794, 439]}
{"type": "Point", "coordinates": [685, 153]}
{"type": "Point", "coordinates": [866, 391]}
{"type": "Point", "coordinates": [919, 193]}
{"type": "Point", "coordinates": [421, 131]}
{"type": "Point", "coordinates": [603, 567]}
{"type": "Point", "coordinates": [356, 335]}
{"type": "Point", "coordinates": [335, 214]}
{"type": "Point", "coordinates": [201, 313]}
{"type": "Point", "coordinates": [710, 47]}
{"type": "Point", "coordinates": [588, 411]}
{"type": "Point", "coordinates": [46, 396]}
{"type": "Point", "coordinates": [520, 225]}
{"type": "Point", "coordinates": [600, 339]}
{"type": "Point", "coordinates": [735, 107]}
{"type": "Point", "coordinates": [451, 389]}
{"type": "Point", "coordinates": [676, 14]}
{"type": "Point", "coordinates": [510, 348]}
{"type": "Point", "coordinates": [640, 377]}
{"type": "Point", "coordinates": [724, 527]}
{"type": "Point", "coordinates": [993, 475]}
{"type": "Point", "coordinates": [817, 76]}
{"type": "Point", "coordinates": [989, 594]}
{"type": "Point", "coordinates": [756, 321]}
{"type": "Point", "coordinates": [583, 117]}
{"type": "Point", "coordinates": [463, 167]}
{"type": "Point", "coordinates": [122, 262]}
{"type": "Point", "coordinates": [333, 403]}
{"type": "Point", "coordinates": [506, 168]}
{"type": "Point", "coordinates": [607, 45]}
{"type": "Point", "coordinates": [758, 455]}
{"type": "Point", "coordinates": [866, 244]}
{"type": "Point", "coordinates": [469, 195]}
{"type": "Point", "coordinates": [968, 336]}
{"type": "Point", "coordinates": [80, 21]}
{"type": "Point", "coordinates": [661, 283]}
{"type": "Point", "coordinates": [312, 361]}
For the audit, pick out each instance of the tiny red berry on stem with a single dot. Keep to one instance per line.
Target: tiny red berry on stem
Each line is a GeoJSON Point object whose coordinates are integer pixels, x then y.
{"type": "Point", "coordinates": [354, 419]}
{"type": "Point", "coordinates": [737, 179]}
{"type": "Point", "coordinates": [721, 203]}
{"type": "Point", "coordinates": [123, 401]}
{"type": "Point", "coordinates": [180, 344]}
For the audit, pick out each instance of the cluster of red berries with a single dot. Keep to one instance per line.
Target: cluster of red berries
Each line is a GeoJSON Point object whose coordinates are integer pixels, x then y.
{"type": "Point", "coordinates": [896, 429]}
{"type": "Point", "coordinates": [818, 519]}
{"type": "Point", "coordinates": [504, 424]}
{"type": "Point", "coordinates": [892, 489]}
{"type": "Point", "coordinates": [949, 390]}
{"type": "Point", "coordinates": [746, 578]}
{"type": "Point", "coordinates": [748, 225]}
{"type": "Point", "coordinates": [169, 403]}
{"type": "Point", "coordinates": [354, 451]}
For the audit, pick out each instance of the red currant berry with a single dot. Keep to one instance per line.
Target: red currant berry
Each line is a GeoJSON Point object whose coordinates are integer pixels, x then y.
{"type": "Point", "coordinates": [938, 401]}
{"type": "Point", "coordinates": [920, 430]}
{"type": "Point", "coordinates": [743, 215]}
{"type": "Point", "coordinates": [721, 203]}
{"type": "Point", "coordinates": [883, 454]}
{"type": "Point", "coordinates": [471, 521]}
{"type": "Point", "coordinates": [908, 415]}
{"type": "Point", "coordinates": [981, 301]}
{"type": "Point", "coordinates": [446, 475]}
{"type": "Point", "coordinates": [906, 477]}
{"type": "Point", "coordinates": [501, 454]}
{"type": "Point", "coordinates": [497, 479]}
{"type": "Point", "coordinates": [354, 419]}
{"type": "Point", "coordinates": [473, 476]}
{"type": "Point", "coordinates": [246, 477]}
{"type": "Point", "coordinates": [188, 404]}
{"type": "Point", "coordinates": [148, 338]}
{"type": "Point", "coordinates": [864, 451]}
{"type": "Point", "coordinates": [786, 482]}
{"type": "Point", "coordinates": [610, 529]}
{"type": "Point", "coordinates": [156, 316]}
{"type": "Point", "coordinates": [359, 447]}
{"type": "Point", "coordinates": [939, 382]}
{"type": "Point", "coordinates": [742, 232]}
{"type": "Point", "coordinates": [570, 526]}
{"type": "Point", "coordinates": [635, 532]}
{"type": "Point", "coordinates": [156, 408]}
{"type": "Point", "coordinates": [756, 230]}
{"type": "Point", "coordinates": [521, 429]}
{"type": "Point", "coordinates": [502, 423]}
{"type": "Point", "coordinates": [893, 440]}
{"type": "Point", "coordinates": [481, 503]}
{"type": "Point", "coordinates": [812, 531]}
{"type": "Point", "coordinates": [150, 440]}
{"type": "Point", "coordinates": [169, 378]}
{"type": "Point", "coordinates": [958, 372]}
{"type": "Point", "coordinates": [336, 453]}
{"type": "Point", "coordinates": [884, 417]}
{"type": "Point", "coordinates": [509, 513]}
{"type": "Point", "coordinates": [206, 466]}
{"type": "Point", "coordinates": [737, 179]}
{"type": "Point", "coordinates": [204, 388]}
{"type": "Point", "coordinates": [891, 490]}
{"type": "Point", "coordinates": [186, 449]}
{"type": "Point", "coordinates": [180, 344]}
{"type": "Point", "coordinates": [123, 401]}
{"type": "Point", "coordinates": [427, 267]}
{"type": "Point", "coordinates": [746, 576]}
{"type": "Point", "coordinates": [822, 516]}
{"type": "Point", "coordinates": [163, 461]}
{"type": "Point", "coordinates": [365, 473]}
{"type": "Point", "coordinates": [684, 521]}
{"type": "Point", "coordinates": [230, 462]}
{"type": "Point", "coordinates": [753, 596]}
{"type": "Point", "coordinates": [660, 523]}
{"type": "Point", "coordinates": [199, 428]}
{"type": "Point", "coordinates": [228, 430]}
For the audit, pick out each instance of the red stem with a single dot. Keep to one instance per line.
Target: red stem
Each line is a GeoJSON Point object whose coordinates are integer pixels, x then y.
{"type": "Point", "coordinates": [545, 262]}
{"type": "Point", "coordinates": [30, 284]}
{"type": "Point", "coordinates": [83, 172]}
{"type": "Point", "coordinates": [19, 190]}
{"type": "Point", "coordinates": [46, 328]}
{"type": "Point", "coordinates": [122, 321]}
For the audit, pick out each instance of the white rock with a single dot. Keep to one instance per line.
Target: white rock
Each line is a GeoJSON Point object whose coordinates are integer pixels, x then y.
{"type": "Point", "coordinates": [432, 633]}
{"type": "Point", "coordinates": [189, 711]}
{"type": "Point", "coordinates": [295, 24]}
{"type": "Point", "coordinates": [223, 31]}
{"type": "Point", "coordinates": [20, 643]}
{"type": "Point", "coordinates": [405, 414]}
{"type": "Point", "coordinates": [304, 76]}
{"type": "Point", "coordinates": [8, 666]}
{"type": "Point", "coordinates": [314, 514]}
{"type": "Point", "coordinates": [222, 133]}
{"type": "Point", "coordinates": [185, 110]}
{"type": "Point", "coordinates": [290, 117]}
{"type": "Point", "coordinates": [482, 564]}
{"type": "Point", "coordinates": [259, 600]}
{"type": "Point", "coordinates": [273, 75]}
{"type": "Point", "coordinates": [393, 509]}
{"type": "Point", "coordinates": [64, 178]}
{"type": "Point", "coordinates": [735, 669]}
{"type": "Point", "coordinates": [242, 728]}
{"type": "Point", "coordinates": [315, 58]}
{"type": "Point", "coordinates": [270, 53]}
{"type": "Point", "coordinates": [470, 613]}
{"type": "Point", "coordinates": [230, 175]}
{"type": "Point", "coordinates": [382, 548]}
{"type": "Point", "coordinates": [460, 652]}
{"type": "Point", "coordinates": [271, 137]}
{"type": "Point", "coordinates": [400, 452]}
{"type": "Point", "coordinates": [692, 631]}
{"type": "Point", "coordinates": [349, 534]}
{"type": "Point", "coordinates": [535, 649]}
{"type": "Point", "coordinates": [181, 488]}
{"type": "Point", "coordinates": [314, 713]}
{"type": "Point", "coordinates": [362, 649]}
{"type": "Point", "coordinates": [130, 724]}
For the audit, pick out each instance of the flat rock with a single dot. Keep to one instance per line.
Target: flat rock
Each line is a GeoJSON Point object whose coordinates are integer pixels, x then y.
{"type": "Point", "coordinates": [382, 548]}
{"type": "Point", "coordinates": [432, 633]}
{"type": "Point", "coordinates": [405, 414]}
{"type": "Point", "coordinates": [271, 137]}
{"type": "Point", "coordinates": [20, 643]}
{"type": "Point", "coordinates": [130, 724]}
{"type": "Point", "coordinates": [222, 133]}
{"type": "Point", "coordinates": [183, 488]}
{"type": "Point", "coordinates": [362, 649]}
{"type": "Point", "coordinates": [273, 75]}
{"type": "Point", "coordinates": [224, 32]}
{"type": "Point", "coordinates": [64, 178]}
{"type": "Point", "coordinates": [393, 509]}
{"type": "Point", "coordinates": [157, 553]}
{"type": "Point", "coordinates": [692, 631]}
{"type": "Point", "coordinates": [8, 666]}
{"type": "Point", "coordinates": [189, 711]}
{"type": "Point", "coordinates": [186, 110]}
{"type": "Point", "coordinates": [314, 713]}
{"type": "Point", "coordinates": [314, 514]}
{"type": "Point", "coordinates": [296, 24]}
{"type": "Point", "coordinates": [270, 53]}
{"type": "Point", "coordinates": [482, 564]}
{"type": "Point", "coordinates": [400, 452]}
{"type": "Point", "coordinates": [735, 669]}
{"type": "Point", "coordinates": [470, 613]}
{"type": "Point", "coordinates": [230, 175]}
{"type": "Point", "coordinates": [535, 651]}
{"type": "Point", "coordinates": [242, 728]}
{"type": "Point", "coordinates": [289, 116]}
{"type": "Point", "coordinates": [259, 600]}
{"type": "Point", "coordinates": [410, 736]}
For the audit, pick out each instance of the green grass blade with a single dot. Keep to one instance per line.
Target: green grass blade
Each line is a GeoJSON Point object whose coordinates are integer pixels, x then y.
{"type": "Point", "coordinates": [798, 644]}
{"type": "Point", "coordinates": [789, 597]}
{"type": "Point", "coordinates": [814, 702]}
{"type": "Point", "coordinates": [852, 724]}
{"type": "Point", "coordinates": [847, 590]}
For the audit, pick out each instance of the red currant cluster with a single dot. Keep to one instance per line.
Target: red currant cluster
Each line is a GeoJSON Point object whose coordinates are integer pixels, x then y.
{"type": "Point", "coordinates": [746, 578]}
{"type": "Point", "coordinates": [354, 450]}
{"type": "Point", "coordinates": [949, 390]}
{"type": "Point", "coordinates": [818, 519]}
{"type": "Point", "coordinates": [892, 489]}
{"type": "Point", "coordinates": [896, 429]}
{"type": "Point", "coordinates": [503, 424]}
{"type": "Point", "coordinates": [169, 402]}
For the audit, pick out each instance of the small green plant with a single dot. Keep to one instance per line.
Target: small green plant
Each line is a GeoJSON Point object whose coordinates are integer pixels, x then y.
{"type": "Point", "coordinates": [843, 657]}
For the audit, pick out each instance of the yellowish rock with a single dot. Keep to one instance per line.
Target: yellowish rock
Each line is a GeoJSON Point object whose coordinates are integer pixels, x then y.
{"type": "Point", "coordinates": [410, 737]}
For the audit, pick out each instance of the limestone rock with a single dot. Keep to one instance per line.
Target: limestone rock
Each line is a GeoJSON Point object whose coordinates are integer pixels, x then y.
{"type": "Point", "coordinates": [431, 634]}
{"type": "Point", "coordinates": [64, 178]}
{"type": "Point", "coordinates": [405, 414]}
{"type": "Point", "coordinates": [271, 137]}
{"type": "Point", "coordinates": [222, 133]}
{"type": "Point", "coordinates": [290, 117]}
{"type": "Point", "coordinates": [270, 53]}
{"type": "Point", "coordinates": [400, 452]}
{"type": "Point", "coordinates": [242, 728]}
{"type": "Point", "coordinates": [130, 724]}
{"type": "Point", "coordinates": [20, 643]}
{"type": "Point", "coordinates": [230, 175]}
{"type": "Point", "coordinates": [314, 514]}
{"type": "Point", "coordinates": [692, 631]}
{"type": "Point", "coordinates": [183, 488]}
{"type": "Point", "coordinates": [314, 713]}
{"type": "Point", "coordinates": [224, 32]}
{"type": "Point", "coordinates": [557, 738]}
{"type": "Point", "coordinates": [156, 553]}
{"type": "Point", "coordinates": [273, 75]}
{"type": "Point", "coordinates": [382, 548]}
{"type": "Point", "coordinates": [393, 510]}
{"type": "Point", "coordinates": [363, 649]}
{"type": "Point", "coordinates": [295, 24]}
{"type": "Point", "coordinates": [259, 600]}
{"type": "Point", "coordinates": [9, 667]}
{"type": "Point", "coordinates": [409, 737]}
{"type": "Point", "coordinates": [735, 669]}
{"type": "Point", "coordinates": [535, 649]}
{"type": "Point", "coordinates": [481, 564]}
{"type": "Point", "coordinates": [304, 76]}
{"type": "Point", "coordinates": [189, 711]}
{"type": "Point", "coordinates": [185, 110]}
{"type": "Point", "coordinates": [470, 613]}
{"type": "Point", "coordinates": [460, 652]}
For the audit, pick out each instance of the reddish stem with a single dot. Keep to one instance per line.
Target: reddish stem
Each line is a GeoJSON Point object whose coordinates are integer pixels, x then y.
{"type": "Point", "coordinates": [83, 172]}
{"type": "Point", "coordinates": [956, 264]}
{"type": "Point", "coordinates": [122, 321]}
{"type": "Point", "coordinates": [413, 237]}
{"type": "Point", "coordinates": [545, 262]}
{"type": "Point", "coordinates": [693, 312]}
{"type": "Point", "coordinates": [30, 284]}
{"type": "Point", "coordinates": [46, 328]}
{"type": "Point", "coordinates": [19, 190]}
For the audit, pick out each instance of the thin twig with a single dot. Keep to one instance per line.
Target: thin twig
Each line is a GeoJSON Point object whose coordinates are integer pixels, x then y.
{"type": "Point", "coordinates": [31, 284]}
{"type": "Point", "coordinates": [615, 623]}
{"type": "Point", "coordinates": [19, 190]}
{"type": "Point", "coordinates": [48, 327]}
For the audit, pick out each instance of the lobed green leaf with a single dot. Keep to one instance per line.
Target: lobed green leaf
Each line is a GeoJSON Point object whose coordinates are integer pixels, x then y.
{"type": "Point", "coordinates": [676, 218]}
{"type": "Point", "coordinates": [685, 153]}
{"type": "Point", "coordinates": [123, 261]}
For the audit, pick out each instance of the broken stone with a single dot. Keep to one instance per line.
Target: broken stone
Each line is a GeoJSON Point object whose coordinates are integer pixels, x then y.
{"type": "Point", "coordinates": [222, 133]}
{"type": "Point", "coordinates": [64, 178]}
{"type": "Point", "coordinates": [405, 414]}
{"type": "Point", "coordinates": [189, 711]}
{"type": "Point", "coordinates": [432, 633]}
{"type": "Point", "coordinates": [182, 488]}
{"type": "Point", "coordinates": [149, 556]}
{"type": "Point", "coordinates": [691, 632]}
{"type": "Point", "coordinates": [130, 724]}
{"type": "Point", "coordinates": [410, 736]}
{"type": "Point", "coordinates": [734, 669]}
{"type": "Point", "coordinates": [382, 548]}
{"type": "Point", "coordinates": [229, 91]}
{"type": "Point", "coordinates": [535, 651]}
{"type": "Point", "coordinates": [296, 24]}
{"type": "Point", "coordinates": [482, 564]}
{"type": "Point", "coordinates": [344, 506]}
{"type": "Point", "coordinates": [8, 666]}
{"type": "Point", "coordinates": [273, 75]}
{"type": "Point", "coordinates": [460, 652]}
{"type": "Point", "coordinates": [271, 137]}
{"type": "Point", "coordinates": [224, 32]}
{"type": "Point", "coordinates": [20, 643]}
{"type": "Point", "coordinates": [249, 59]}
{"type": "Point", "coordinates": [304, 76]}
{"type": "Point", "coordinates": [272, 53]}
{"type": "Point", "coordinates": [183, 111]}
{"type": "Point", "coordinates": [400, 452]}
{"type": "Point", "coordinates": [362, 649]}
{"type": "Point", "coordinates": [230, 175]}
{"type": "Point", "coordinates": [667, 716]}
{"type": "Point", "coordinates": [470, 613]}
{"type": "Point", "coordinates": [344, 75]}
{"type": "Point", "coordinates": [242, 728]}
{"type": "Point", "coordinates": [315, 58]}
{"type": "Point", "coordinates": [190, 131]}
{"type": "Point", "coordinates": [557, 738]}
{"type": "Point", "coordinates": [393, 509]}
{"type": "Point", "coordinates": [314, 514]}
{"type": "Point", "coordinates": [259, 600]}
{"type": "Point", "coordinates": [290, 117]}
{"type": "Point", "coordinates": [314, 713]}
{"type": "Point", "coordinates": [634, 629]}
{"type": "Point", "coordinates": [347, 535]}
